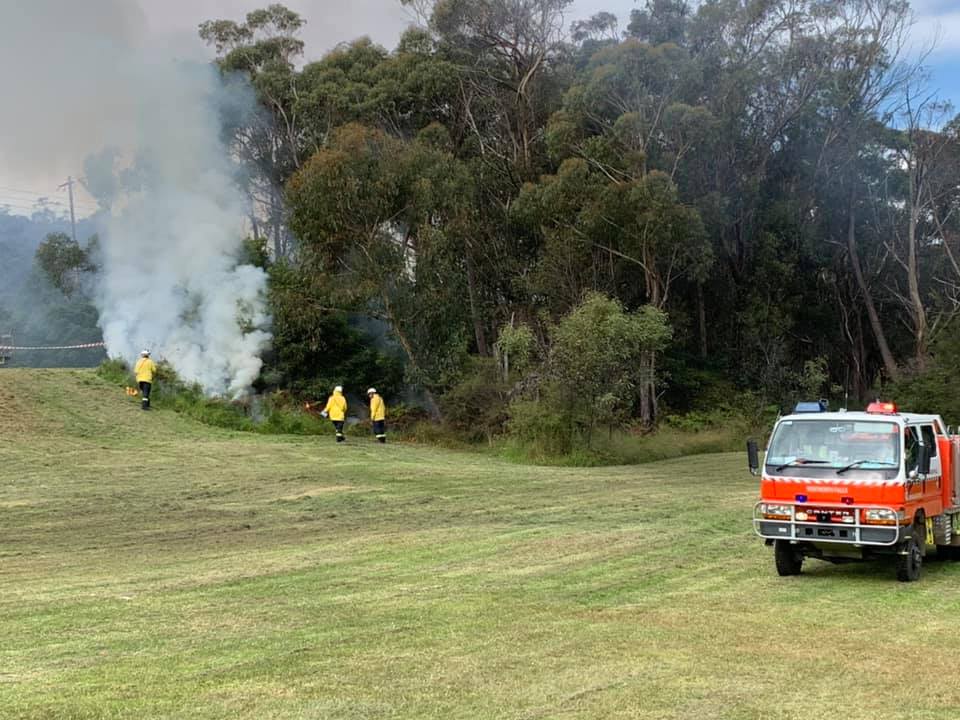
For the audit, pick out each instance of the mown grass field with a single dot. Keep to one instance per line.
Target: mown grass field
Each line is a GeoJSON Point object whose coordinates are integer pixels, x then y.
{"type": "Point", "coordinates": [152, 567]}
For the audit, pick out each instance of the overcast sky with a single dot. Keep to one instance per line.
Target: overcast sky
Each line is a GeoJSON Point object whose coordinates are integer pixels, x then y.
{"type": "Point", "coordinates": [333, 21]}
{"type": "Point", "coordinates": [330, 22]}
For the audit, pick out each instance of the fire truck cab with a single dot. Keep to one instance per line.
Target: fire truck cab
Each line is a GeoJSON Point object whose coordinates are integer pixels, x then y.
{"type": "Point", "coordinates": [846, 486]}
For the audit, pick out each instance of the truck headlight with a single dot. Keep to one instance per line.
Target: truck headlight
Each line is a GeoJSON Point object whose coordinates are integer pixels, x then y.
{"type": "Point", "coordinates": [776, 512]}
{"type": "Point", "coordinates": [882, 516]}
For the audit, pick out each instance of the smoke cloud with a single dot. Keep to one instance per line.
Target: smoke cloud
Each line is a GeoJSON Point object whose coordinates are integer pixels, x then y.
{"type": "Point", "coordinates": [145, 124]}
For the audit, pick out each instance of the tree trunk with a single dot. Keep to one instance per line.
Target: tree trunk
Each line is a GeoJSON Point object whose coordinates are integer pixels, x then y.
{"type": "Point", "coordinates": [432, 406]}
{"type": "Point", "coordinates": [648, 389]}
{"type": "Point", "coordinates": [913, 283]}
{"type": "Point", "coordinates": [478, 331]}
{"type": "Point", "coordinates": [861, 378]}
{"type": "Point", "coordinates": [851, 330]}
{"type": "Point", "coordinates": [275, 222]}
{"type": "Point", "coordinates": [702, 315]}
{"type": "Point", "coordinates": [893, 372]}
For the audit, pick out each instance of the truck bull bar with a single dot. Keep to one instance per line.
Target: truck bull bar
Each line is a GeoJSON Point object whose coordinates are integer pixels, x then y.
{"type": "Point", "coordinates": [855, 533]}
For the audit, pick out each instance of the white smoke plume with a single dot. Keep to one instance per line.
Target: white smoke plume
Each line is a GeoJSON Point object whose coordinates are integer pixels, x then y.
{"type": "Point", "coordinates": [145, 123]}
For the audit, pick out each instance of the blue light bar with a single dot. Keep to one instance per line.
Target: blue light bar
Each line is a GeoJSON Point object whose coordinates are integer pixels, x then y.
{"type": "Point", "coordinates": [810, 407]}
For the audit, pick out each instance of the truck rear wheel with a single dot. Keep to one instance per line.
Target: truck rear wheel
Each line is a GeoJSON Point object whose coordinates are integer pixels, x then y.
{"type": "Point", "coordinates": [909, 564]}
{"type": "Point", "coordinates": [788, 557]}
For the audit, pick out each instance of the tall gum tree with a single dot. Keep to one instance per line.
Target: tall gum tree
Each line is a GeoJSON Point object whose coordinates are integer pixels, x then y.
{"type": "Point", "coordinates": [264, 48]}
{"type": "Point", "coordinates": [384, 220]}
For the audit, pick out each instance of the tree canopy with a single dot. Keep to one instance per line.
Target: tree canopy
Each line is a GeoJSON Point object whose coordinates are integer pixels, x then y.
{"type": "Point", "coordinates": [769, 180]}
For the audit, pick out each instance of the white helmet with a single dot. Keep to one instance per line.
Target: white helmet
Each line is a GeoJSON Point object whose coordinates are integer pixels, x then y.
{"type": "Point", "coordinates": [372, 391]}
{"type": "Point", "coordinates": [145, 353]}
{"type": "Point", "coordinates": [338, 388]}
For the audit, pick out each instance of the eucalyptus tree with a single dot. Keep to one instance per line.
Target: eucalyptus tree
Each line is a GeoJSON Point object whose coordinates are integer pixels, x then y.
{"type": "Point", "coordinates": [505, 51]}
{"type": "Point", "coordinates": [382, 221]}
{"type": "Point", "coordinates": [263, 50]}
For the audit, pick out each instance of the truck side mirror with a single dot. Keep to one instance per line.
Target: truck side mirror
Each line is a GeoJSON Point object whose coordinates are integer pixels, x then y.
{"type": "Point", "coordinates": [753, 457]}
{"type": "Point", "coordinates": [923, 460]}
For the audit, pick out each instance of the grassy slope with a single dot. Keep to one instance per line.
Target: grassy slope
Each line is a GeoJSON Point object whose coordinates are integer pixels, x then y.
{"type": "Point", "coordinates": [154, 567]}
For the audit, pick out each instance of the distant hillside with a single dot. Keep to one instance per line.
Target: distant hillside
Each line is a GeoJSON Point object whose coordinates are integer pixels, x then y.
{"type": "Point", "coordinates": [35, 312]}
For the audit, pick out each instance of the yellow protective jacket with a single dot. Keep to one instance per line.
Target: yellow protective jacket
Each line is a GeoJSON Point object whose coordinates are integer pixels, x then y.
{"type": "Point", "coordinates": [337, 407]}
{"type": "Point", "coordinates": [378, 411]}
{"type": "Point", "coordinates": [144, 370]}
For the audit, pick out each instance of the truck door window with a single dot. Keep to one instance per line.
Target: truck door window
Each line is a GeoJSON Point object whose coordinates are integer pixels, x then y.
{"type": "Point", "coordinates": [910, 442]}
{"type": "Point", "coordinates": [929, 439]}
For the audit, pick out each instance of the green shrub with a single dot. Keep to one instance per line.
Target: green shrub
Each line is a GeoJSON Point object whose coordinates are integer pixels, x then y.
{"type": "Point", "coordinates": [934, 391]}
{"type": "Point", "coordinates": [429, 432]}
{"type": "Point", "coordinates": [280, 413]}
{"type": "Point", "coordinates": [209, 411]}
{"type": "Point", "coordinates": [476, 407]}
{"type": "Point", "coordinates": [600, 352]}
{"type": "Point", "coordinates": [625, 448]}
{"type": "Point", "coordinates": [543, 431]}
{"type": "Point", "coordinates": [935, 388]}
{"type": "Point", "coordinates": [287, 422]}
{"type": "Point", "coordinates": [515, 349]}
{"type": "Point", "coordinates": [115, 371]}
{"type": "Point", "coordinates": [402, 419]}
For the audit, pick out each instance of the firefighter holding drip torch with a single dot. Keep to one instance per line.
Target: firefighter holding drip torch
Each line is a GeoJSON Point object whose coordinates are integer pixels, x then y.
{"type": "Point", "coordinates": [145, 370]}
{"type": "Point", "coordinates": [336, 410]}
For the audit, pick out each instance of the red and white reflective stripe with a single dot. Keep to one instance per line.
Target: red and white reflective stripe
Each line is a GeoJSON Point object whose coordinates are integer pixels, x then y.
{"type": "Point", "coordinates": [54, 347]}
{"type": "Point", "coordinates": [845, 482]}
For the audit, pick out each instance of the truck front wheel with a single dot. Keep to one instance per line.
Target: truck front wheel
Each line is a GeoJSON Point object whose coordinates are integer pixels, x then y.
{"type": "Point", "coordinates": [909, 564]}
{"type": "Point", "coordinates": [788, 557]}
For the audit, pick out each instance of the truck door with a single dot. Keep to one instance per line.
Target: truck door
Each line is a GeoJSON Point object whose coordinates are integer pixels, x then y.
{"type": "Point", "coordinates": [935, 478]}
{"type": "Point", "coordinates": [918, 487]}
{"type": "Point", "coordinates": [911, 445]}
{"type": "Point", "coordinates": [930, 440]}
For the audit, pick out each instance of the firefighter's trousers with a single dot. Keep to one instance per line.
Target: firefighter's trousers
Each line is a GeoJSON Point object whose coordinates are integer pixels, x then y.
{"type": "Point", "coordinates": [145, 395]}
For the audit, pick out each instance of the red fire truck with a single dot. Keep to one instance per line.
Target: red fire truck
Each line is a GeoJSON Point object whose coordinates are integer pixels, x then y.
{"type": "Point", "coordinates": [845, 486]}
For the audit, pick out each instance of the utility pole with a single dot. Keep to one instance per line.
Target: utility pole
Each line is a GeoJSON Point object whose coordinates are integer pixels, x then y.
{"type": "Point", "coordinates": [73, 218]}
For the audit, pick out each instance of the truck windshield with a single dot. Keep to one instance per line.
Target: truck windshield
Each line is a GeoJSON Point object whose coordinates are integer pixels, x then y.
{"type": "Point", "coordinates": [867, 445]}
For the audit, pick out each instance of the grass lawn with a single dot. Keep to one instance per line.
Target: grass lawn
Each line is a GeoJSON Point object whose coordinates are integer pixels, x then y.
{"type": "Point", "coordinates": [152, 567]}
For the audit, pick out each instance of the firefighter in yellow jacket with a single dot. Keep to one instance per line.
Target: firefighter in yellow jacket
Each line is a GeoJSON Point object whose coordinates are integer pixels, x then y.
{"type": "Point", "coordinates": [145, 370]}
{"type": "Point", "coordinates": [378, 415]}
{"type": "Point", "coordinates": [336, 410]}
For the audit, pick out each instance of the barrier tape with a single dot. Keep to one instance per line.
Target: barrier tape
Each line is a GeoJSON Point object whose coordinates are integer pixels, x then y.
{"type": "Point", "coordinates": [55, 347]}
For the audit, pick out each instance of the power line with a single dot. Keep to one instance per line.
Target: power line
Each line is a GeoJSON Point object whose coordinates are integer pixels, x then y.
{"type": "Point", "coordinates": [40, 207]}
{"type": "Point", "coordinates": [6, 190]}
{"type": "Point", "coordinates": [45, 201]}
{"type": "Point", "coordinates": [58, 210]}
{"type": "Point", "coordinates": [24, 204]}
{"type": "Point", "coordinates": [33, 208]}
